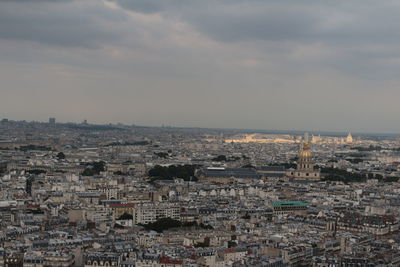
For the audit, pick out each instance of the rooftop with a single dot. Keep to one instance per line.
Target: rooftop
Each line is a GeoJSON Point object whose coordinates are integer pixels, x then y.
{"type": "Point", "coordinates": [289, 203]}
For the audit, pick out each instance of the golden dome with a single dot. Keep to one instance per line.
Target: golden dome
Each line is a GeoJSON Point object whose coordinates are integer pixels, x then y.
{"type": "Point", "coordinates": [305, 154]}
{"type": "Point", "coordinates": [305, 151]}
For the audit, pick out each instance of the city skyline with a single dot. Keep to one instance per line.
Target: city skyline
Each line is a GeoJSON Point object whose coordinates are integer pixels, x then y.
{"type": "Point", "coordinates": [244, 130]}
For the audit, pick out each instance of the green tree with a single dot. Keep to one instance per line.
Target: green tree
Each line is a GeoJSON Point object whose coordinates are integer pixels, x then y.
{"type": "Point", "coordinates": [61, 155]}
{"type": "Point", "coordinates": [99, 166]}
{"type": "Point", "coordinates": [201, 245]}
{"type": "Point", "coordinates": [185, 172]}
{"type": "Point", "coordinates": [220, 158]}
{"type": "Point", "coordinates": [125, 216]}
{"type": "Point", "coordinates": [334, 174]}
{"type": "Point", "coordinates": [391, 179]}
{"type": "Point", "coordinates": [248, 166]}
{"type": "Point", "coordinates": [88, 172]}
{"type": "Point", "coordinates": [161, 154]}
{"type": "Point", "coordinates": [37, 172]}
{"type": "Point", "coordinates": [162, 224]}
{"type": "Point", "coordinates": [94, 168]}
{"type": "Point", "coordinates": [246, 216]}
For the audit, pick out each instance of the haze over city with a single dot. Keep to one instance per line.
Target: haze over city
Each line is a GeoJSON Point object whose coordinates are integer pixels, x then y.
{"type": "Point", "coordinates": [288, 65]}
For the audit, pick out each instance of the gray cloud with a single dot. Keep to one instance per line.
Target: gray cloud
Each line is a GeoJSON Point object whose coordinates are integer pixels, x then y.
{"type": "Point", "coordinates": [62, 22]}
{"type": "Point", "coordinates": [37, 1]}
{"type": "Point", "coordinates": [295, 64]}
{"type": "Point", "coordinates": [296, 20]}
{"type": "Point", "coordinates": [150, 6]}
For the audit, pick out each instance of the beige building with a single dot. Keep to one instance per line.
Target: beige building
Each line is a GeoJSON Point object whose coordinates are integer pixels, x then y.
{"type": "Point", "coordinates": [305, 166]}
{"type": "Point", "coordinates": [148, 213]}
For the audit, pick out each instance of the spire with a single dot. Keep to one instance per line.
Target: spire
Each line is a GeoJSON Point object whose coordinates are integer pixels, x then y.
{"type": "Point", "coordinates": [306, 142]}
{"type": "Point", "coordinates": [306, 138]}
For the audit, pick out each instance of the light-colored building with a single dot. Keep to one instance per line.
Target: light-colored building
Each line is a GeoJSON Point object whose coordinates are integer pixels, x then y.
{"type": "Point", "coordinates": [148, 213]}
{"type": "Point", "coordinates": [305, 165]}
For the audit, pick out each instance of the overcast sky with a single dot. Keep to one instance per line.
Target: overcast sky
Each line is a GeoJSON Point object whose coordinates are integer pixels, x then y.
{"type": "Point", "coordinates": [282, 64]}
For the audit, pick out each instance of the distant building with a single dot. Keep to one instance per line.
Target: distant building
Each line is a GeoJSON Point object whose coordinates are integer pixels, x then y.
{"type": "Point", "coordinates": [374, 224]}
{"type": "Point", "coordinates": [58, 259]}
{"type": "Point", "coordinates": [146, 213]}
{"type": "Point", "coordinates": [52, 121]}
{"type": "Point", "coordinates": [289, 207]}
{"type": "Point", "coordinates": [316, 139]}
{"type": "Point", "coordinates": [305, 165]}
{"type": "Point", "coordinates": [227, 175]}
{"type": "Point", "coordinates": [349, 138]}
{"type": "Point", "coordinates": [272, 171]}
{"type": "Point", "coordinates": [102, 259]}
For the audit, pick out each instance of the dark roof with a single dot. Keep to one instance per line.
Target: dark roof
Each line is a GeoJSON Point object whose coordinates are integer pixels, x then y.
{"type": "Point", "coordinates": [231, 172]}
{"type": "Point", "coordinates": [273, 168]}
{"type": "Point", "coordinates": [274, 174]}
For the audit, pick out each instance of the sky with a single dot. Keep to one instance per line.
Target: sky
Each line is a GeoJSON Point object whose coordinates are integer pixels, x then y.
{"type": "Point", "coordinates": [255, 64]}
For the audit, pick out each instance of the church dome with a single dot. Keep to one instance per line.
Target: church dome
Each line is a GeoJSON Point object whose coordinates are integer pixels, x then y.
{"type": "Point", "coordinates": [305, 154]}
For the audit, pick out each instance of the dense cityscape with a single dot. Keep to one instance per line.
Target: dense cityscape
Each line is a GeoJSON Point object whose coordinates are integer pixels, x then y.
{"type": "Point", "coordinates": [82, 194]}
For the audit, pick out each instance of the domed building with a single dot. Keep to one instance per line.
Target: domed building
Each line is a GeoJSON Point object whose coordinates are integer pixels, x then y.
{"type": "Point", "coordinates": [349, 138]}
{"type": "Point", "coordinates": [305, 164]}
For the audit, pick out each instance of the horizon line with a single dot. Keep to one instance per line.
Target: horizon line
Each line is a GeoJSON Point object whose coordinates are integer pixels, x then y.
{"type": "Point", "coordinates": [277, 131]}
